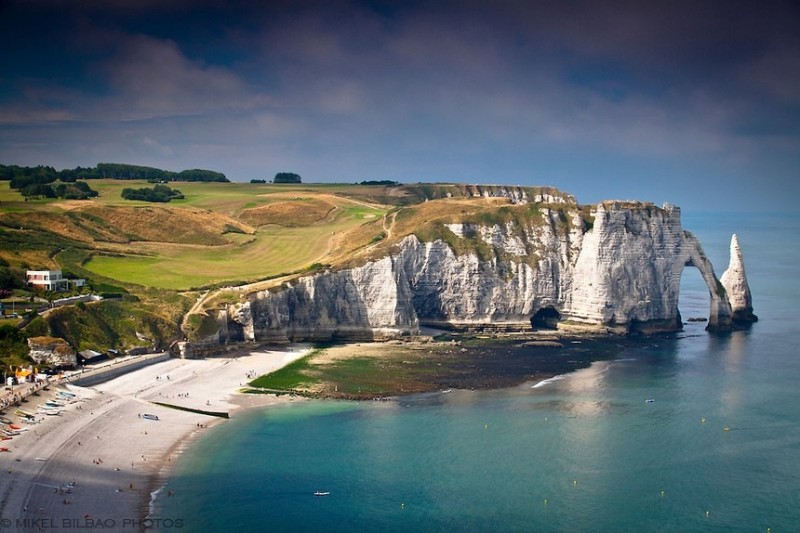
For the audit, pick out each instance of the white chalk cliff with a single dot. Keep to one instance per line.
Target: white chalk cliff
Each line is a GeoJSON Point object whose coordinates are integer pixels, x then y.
{"type": "Point", "coordinates": [617, 270]}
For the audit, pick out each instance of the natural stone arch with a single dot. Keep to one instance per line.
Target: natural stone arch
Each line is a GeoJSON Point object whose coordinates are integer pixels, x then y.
{"type": "Point", "coordinates": [719, 313]}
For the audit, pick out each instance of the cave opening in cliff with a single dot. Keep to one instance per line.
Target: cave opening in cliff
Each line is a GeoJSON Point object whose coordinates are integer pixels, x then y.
{"type": "Point", "coordinates": [546, 318]}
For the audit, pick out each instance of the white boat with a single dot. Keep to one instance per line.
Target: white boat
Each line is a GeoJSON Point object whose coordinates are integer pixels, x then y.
{"type": "Point", "coordinates": [321, 493]}
{"type": "Point", "coordinates": [148, 416]}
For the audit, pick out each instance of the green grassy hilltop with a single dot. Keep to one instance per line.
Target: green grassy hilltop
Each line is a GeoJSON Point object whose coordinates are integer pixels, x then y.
{"type": "Point", "coordinates": [159, 258]}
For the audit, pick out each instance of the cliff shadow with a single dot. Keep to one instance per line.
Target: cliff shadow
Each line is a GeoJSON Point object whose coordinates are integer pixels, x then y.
{"type": "Point", "coordinates": [323, 308]}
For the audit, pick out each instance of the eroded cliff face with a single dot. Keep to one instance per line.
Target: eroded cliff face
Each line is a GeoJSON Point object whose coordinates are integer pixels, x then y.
{"type": "Point", "coordinates": [617, 271]}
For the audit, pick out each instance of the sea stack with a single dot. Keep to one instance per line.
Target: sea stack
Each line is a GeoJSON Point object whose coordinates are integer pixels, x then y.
{"type": "Point", "coordinates": [735, 282]}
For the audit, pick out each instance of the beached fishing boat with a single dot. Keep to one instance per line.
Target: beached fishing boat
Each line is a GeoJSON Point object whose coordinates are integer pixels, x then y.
{"type": "Point", "coordinates": [149, 416]}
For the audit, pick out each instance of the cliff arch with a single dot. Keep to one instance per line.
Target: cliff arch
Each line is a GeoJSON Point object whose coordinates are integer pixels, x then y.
{"type": "Point", "coordinates": [719, 313]}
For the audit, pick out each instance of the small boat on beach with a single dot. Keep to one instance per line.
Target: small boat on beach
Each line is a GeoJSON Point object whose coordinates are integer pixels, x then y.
{"type": "Point", "coordinates": [148, 416]}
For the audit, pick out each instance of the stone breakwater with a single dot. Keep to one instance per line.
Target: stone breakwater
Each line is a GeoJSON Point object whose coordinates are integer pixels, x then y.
{"type": "Point", "coordinates": [616, 271]}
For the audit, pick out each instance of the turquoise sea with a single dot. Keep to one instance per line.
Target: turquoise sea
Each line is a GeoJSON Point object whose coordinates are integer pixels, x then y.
{"type": "Point", "coordinates": [586, 452]}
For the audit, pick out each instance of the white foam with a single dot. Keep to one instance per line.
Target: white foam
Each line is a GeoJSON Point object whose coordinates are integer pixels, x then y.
{"type": "Point", "coordinates": [548, 381]}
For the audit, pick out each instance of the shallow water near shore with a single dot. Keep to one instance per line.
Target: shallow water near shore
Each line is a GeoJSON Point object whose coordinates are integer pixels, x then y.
{"type": "Point", "coordinates": [694, 432]}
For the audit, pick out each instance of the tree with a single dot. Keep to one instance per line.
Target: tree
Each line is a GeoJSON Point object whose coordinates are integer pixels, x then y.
{"type": "Point", "coordinates": [286, 177]}
{"type": "Point", "coordinates": [159, 193]}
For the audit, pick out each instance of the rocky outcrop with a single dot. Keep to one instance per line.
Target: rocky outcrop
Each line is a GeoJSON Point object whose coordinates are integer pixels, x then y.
{"type": "Point", "coordinates": [734, 280]}
{"type": "Point", "coordinates": [617, 270]}
{"type": "Point", "coordinates": [52, 351]}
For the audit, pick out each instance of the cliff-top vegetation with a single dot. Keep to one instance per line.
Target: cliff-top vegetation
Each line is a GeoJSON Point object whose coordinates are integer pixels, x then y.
{"type": "Point", "coordinates": [162, 257]}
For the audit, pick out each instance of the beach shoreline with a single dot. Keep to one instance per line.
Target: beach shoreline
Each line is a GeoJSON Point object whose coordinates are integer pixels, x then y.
{"type": "Point", "coordinates": [99, 463]}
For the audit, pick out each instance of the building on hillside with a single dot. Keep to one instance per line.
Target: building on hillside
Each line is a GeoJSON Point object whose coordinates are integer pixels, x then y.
{"type": "Point", "coordinates": [51, 280]}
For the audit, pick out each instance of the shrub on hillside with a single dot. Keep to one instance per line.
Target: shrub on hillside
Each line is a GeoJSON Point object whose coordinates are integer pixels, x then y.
{"type": "Point", "coordinates": [159, 193]}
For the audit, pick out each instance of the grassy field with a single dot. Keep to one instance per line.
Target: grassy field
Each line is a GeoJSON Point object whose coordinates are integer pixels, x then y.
{"type": "Point", "coordinates": [272, 250]}
{"type": "Point", "coordinates": [221, 233]}
{"type": "Point", "coordinates": [233, 233]}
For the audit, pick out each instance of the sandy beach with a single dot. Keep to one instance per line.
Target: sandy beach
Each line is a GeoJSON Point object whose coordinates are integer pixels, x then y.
{"type": "Point", "coordinates": [97, 463]}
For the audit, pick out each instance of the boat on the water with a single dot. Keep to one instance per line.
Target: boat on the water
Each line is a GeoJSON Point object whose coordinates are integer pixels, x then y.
{"type": "Point", "coordinates": [322, 493]}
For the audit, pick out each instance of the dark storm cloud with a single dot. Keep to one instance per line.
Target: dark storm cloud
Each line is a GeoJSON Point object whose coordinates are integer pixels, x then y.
{"type": "Point", "coordinates": [601, 99]}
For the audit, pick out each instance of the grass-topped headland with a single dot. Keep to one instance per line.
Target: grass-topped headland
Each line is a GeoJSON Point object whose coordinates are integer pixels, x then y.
{"type": "Point", "coordinates": [156, 259]}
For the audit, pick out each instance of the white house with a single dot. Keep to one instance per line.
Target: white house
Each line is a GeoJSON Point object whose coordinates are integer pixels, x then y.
{"type": "Point", "coordinates": [51, 280]}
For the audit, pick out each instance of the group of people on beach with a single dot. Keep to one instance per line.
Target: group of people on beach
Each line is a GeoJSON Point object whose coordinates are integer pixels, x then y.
{"type": "Point", "coordinates": [12, 397]}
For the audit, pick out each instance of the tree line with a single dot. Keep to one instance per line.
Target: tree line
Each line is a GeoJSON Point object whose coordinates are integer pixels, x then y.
{"type": "Point", "coordinates": [46, 181]}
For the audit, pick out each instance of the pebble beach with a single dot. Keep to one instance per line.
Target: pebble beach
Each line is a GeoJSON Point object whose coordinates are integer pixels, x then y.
{"type": "Point", "coordinates": [98, 462]}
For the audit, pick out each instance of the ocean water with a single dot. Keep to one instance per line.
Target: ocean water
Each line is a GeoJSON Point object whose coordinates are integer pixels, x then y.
{"type": "Point", "coordinates": [585, 452]}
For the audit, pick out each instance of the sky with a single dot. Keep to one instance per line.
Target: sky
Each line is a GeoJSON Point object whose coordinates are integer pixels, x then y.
{"type": "Point", "coordinates": [695, 103]}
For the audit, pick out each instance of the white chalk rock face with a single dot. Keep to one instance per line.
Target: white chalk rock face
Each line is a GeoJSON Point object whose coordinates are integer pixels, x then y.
{"type": "Point", "coordinates": [53, 351]}
{"type": "Point", "coordinates": [734, 280]}
{"type": "Point", "coordinates": [618, 270]}
{"type": "Point", "coordinates": [629, 270]}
